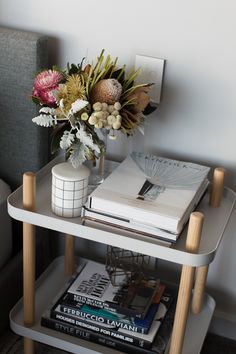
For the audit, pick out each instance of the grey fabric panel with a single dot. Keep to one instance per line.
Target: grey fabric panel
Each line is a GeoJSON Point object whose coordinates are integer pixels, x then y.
{"type": "Point", "coordinates": [5, 225]}
{"type": "Point", "coordinates": [23, 144]}
{"type": "Point", "coordinates": [10, 287]}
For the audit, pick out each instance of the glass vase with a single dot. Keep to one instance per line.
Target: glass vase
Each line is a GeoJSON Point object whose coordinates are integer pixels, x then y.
{"type": "Point", "coordinates": [97, 167]}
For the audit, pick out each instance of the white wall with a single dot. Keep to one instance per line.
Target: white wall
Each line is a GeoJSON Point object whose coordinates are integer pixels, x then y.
{"type": "Point", "coordinates": [197, 116]}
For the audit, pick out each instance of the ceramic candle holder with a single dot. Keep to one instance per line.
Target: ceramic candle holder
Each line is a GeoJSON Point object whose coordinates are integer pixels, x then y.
{"type": "Point", "coordinates": [69, 189]}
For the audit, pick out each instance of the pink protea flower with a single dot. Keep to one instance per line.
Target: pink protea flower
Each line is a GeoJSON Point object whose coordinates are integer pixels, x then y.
{"type": "Point", "coordinates": [48, 98]}
{"type": "Point", "coordinates": [47, 80]}
{"type": "Point", "coordinates": [44, 84]}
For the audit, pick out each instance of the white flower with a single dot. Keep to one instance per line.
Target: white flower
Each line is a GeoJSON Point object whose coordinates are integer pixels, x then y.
{"type": "Point", "coordinates": [78, 105]}
{"type": "Point", "coordinates": [111, 119]}
{"type": "Point", "coordinates": [98, 115]}
{"type": "Point", "coordinates": [116, 125]}
{"type": "Point", "coordinates": [115, 113]}
{"type": "Point", "coordinates": [104, 106]}
{"type": "Point", "coordinates": [84, 116]}
{"type": "Point", "coordinates": [44, 120]}
{"type": "Point", "coordinates": [117, 106]}
{"type": "Point", "coordinates": [110, 108]}
{"type": "Point", "coordinates": [92, 119]}
{"type": "Point", "coordinates": [86, 139]}
{"type": "Point", "coordinates": [97, 106]}
{"type": "Point", "coordinates": [66, 140]}
{"type": "Point", "coordinates": [99, 124]}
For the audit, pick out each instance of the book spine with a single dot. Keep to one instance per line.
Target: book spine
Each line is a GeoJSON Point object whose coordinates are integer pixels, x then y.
{"type": "Point", "coordinates": [104, 330]}
{"type": "Point", "coordinates": [93, 336]}
{"type": "Point", "coordinates": [77, 299]}
{"type": "Point", "coordinates": [135, 227]}
{"type": "Point", "coordinates": [126, 322]}
{"type": "Point", "coordinates": [126, 224]}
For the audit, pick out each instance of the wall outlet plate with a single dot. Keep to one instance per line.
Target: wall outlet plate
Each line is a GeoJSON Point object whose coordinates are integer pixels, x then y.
{"type": "Point", "coordinates": [151, 71]}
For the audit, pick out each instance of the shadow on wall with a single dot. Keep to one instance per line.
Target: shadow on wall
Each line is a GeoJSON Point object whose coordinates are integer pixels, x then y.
{"type": "Point", "coordinates": [54, 49]}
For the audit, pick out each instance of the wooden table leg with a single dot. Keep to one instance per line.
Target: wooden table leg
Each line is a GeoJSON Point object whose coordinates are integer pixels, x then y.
{"type": "Point", "coordinates": [69, 265]}
{"type": "Point", "coordinates": [186, 284]}
{"type": "Point", "coordinates": [217, 187]}
{"type": "Point", "coordinates": [28, 346]}
{"type": "Point", "coordinates": [29, 195]}
{"type": "Point", "coordinates": [199, 289]}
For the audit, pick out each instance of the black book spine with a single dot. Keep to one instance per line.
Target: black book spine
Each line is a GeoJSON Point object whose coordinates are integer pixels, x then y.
{"type": "Point", "coordinates": [104, 330]}
{"type": "Point", "coordinates": [93, 336]}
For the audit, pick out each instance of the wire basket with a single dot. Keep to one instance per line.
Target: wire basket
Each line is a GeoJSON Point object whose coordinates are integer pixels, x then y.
{"type": "Point", "coordinates": [120, 262]}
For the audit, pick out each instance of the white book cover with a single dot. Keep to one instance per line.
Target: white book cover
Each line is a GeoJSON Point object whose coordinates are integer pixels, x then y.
{"type": "Point", "coordinates": [136, 226]}
{"type": "Point", "coordinates": [151, 190]}
{"type": "Point", "coordinates": [94, 285]}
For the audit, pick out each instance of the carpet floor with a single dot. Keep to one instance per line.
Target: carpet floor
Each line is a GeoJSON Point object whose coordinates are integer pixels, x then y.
{"type": "Point", "coordinates": [11, 343]}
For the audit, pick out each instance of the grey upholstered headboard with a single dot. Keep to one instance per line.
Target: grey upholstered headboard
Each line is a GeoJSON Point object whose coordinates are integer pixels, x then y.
{"type": "Point", "coordinates": [23, 145]}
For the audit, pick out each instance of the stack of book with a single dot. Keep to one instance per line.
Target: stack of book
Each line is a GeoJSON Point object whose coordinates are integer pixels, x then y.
{"type": "Point", "coordinates": [130, 318]}
{"type": "Point", "coordinates": [150, 195]}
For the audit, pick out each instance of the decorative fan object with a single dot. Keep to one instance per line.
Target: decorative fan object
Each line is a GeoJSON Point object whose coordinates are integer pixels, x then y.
{"type": "Point", "coordinates": [162, 173]}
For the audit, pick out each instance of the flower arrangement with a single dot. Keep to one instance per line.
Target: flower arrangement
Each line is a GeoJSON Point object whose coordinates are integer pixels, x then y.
{"type": "Point", "coordinates": [83, 100]}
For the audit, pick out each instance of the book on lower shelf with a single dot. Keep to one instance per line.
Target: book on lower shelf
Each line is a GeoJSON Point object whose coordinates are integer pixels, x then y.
{"type": "Point", "coordinates": [93, 287]}
{"type": "Point", "coordinates": [109, 318]}
{"type": "Point", "coordinates": [114, 329]}
{"type": "Point", "coordinates": [158, 346]}
{"type": "Point", "coordinates": [150, 190]}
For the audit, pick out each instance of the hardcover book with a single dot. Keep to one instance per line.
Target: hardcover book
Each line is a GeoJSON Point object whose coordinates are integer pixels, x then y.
{"type": "Point", "coordinates": [122, 230]}
{"type": "Point", "coordinates": [91, 215]}
{"type": "Point", "coordinates": [159, 346]}
{"type": "Point", "coordinates": [112, 319]}
{"type": "Point", "coordinates": [121, 333]}
{"type": "Point", "coordinates": [151, 190]}
{"type": "Point", "coordinates": [94, 287]}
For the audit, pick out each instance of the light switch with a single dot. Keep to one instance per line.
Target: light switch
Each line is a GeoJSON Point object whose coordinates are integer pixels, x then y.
{"type": "Point", "coordinates": [151, 71]}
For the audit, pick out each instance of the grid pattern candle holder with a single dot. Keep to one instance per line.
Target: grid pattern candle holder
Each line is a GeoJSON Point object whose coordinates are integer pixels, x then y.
{"type": "Point", "coordinates": [69, 189]}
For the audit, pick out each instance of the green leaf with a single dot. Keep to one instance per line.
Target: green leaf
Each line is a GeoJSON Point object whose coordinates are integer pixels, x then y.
{"type": "Point", "coordinates": [119, 75]}
{"type": "Point", "coordinates": [73, 69]}
{"type": "Point", "coordinates": [35, 100]}
{"type": "Point", "coordinates": [81, 63]}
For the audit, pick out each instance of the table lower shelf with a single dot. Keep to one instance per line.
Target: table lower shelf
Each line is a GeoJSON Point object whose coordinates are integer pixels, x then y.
{"type": "Point", "coordinates": [49, 285]}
